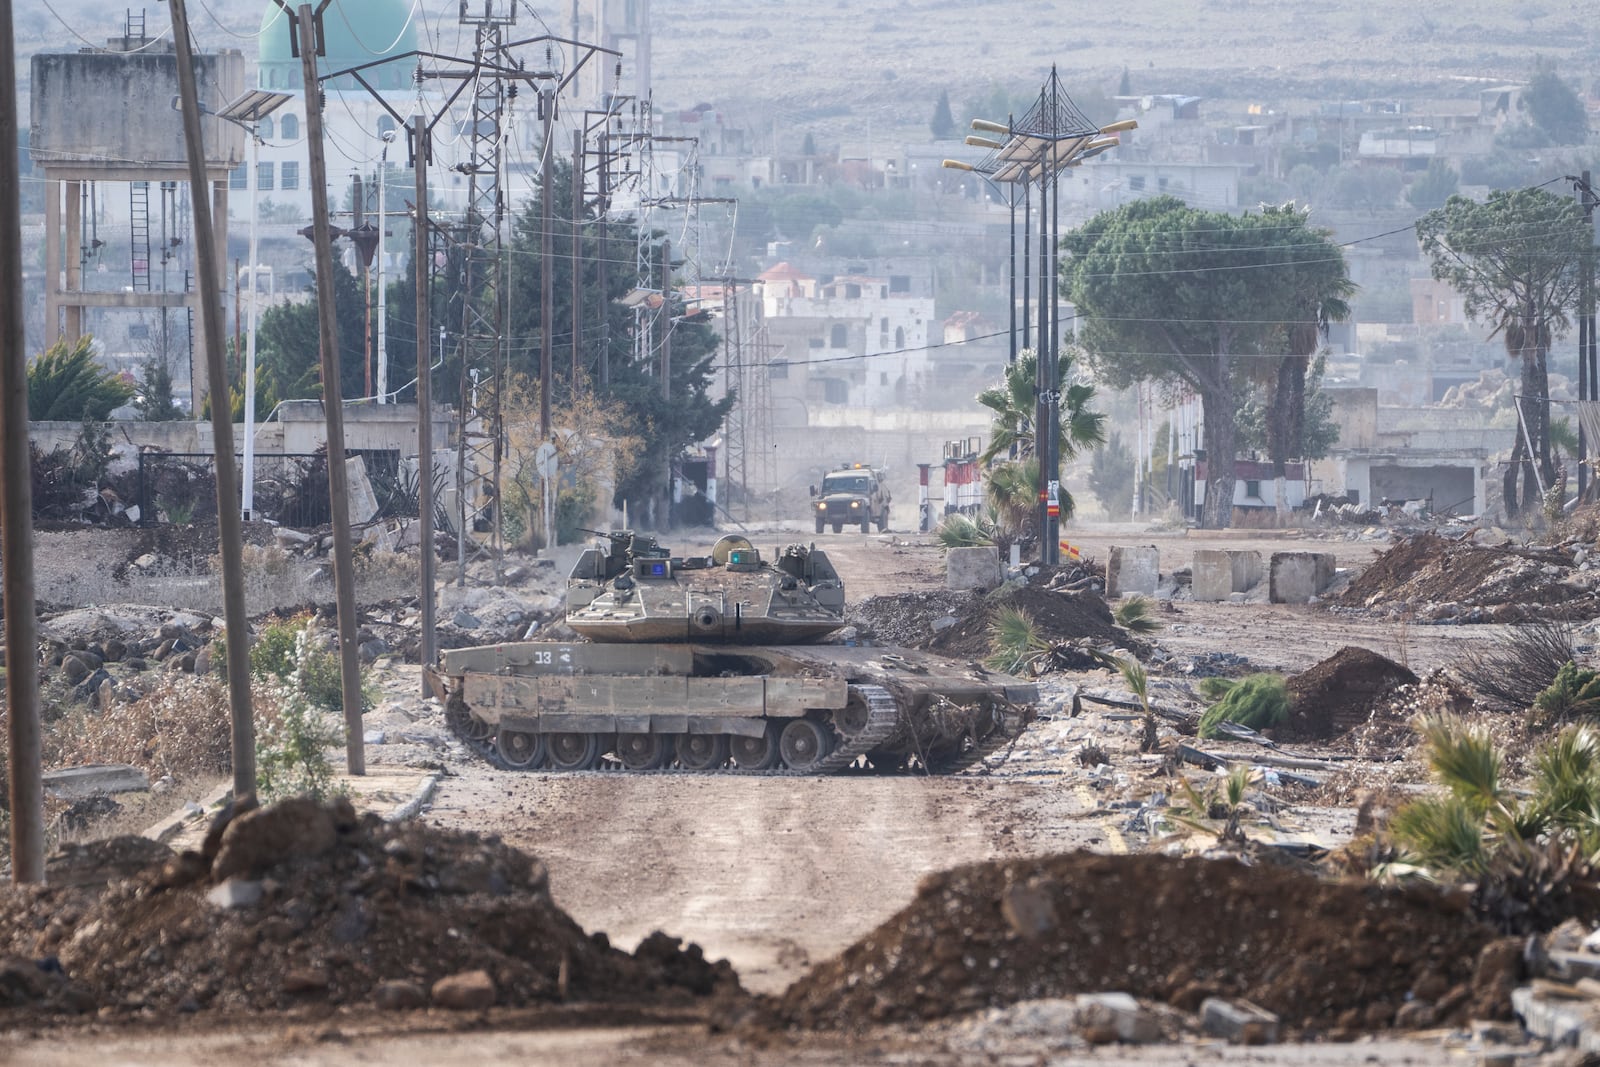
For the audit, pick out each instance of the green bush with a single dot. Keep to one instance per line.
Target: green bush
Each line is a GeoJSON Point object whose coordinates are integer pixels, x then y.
{"type": "Point", "coordinates": [1257, 701]}
{"type": "Point", "coordinates": [1575, 694]}
{"type": "Point", "coordinates": [272, 655]}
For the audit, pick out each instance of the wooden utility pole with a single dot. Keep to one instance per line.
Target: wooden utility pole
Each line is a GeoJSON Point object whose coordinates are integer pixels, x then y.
{"type": "Point", "coordinates": [16, 498]}
{"type": "Point", "coordinates": [332, 402]}
{"type": "Point", "coordinates": [230, 524]}
{"type": "Point", "coordinates": [577, 258]}
{"type": "Point", "coordinates": [421, 265]}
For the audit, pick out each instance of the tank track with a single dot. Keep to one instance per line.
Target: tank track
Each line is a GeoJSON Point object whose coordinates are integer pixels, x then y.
{"type": "Point", "coordinates": [883, 722]}
{"type": "Point", "coordinates": [992, 742]}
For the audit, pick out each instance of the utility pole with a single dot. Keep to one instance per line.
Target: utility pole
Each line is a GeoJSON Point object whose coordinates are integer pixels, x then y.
{"type": "Point", "coordinates": [666, 367]}
{"type": "Point", "coordinates": [577, 258]}
{"type": "Point", "coordinates": [547, 290]}
{"type": "Point", "coordinates": [1588, 387]}
{"type": "Point", "coordinates": [230, 525]}
{"type": "Point", "coordinates": [421, 266]}
{"type": "Point", "coordinates": [16, 499]}
{"type": "Point", "coordinates": [304, 24]}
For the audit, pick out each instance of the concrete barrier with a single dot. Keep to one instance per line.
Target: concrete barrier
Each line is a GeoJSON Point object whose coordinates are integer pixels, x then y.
{"type": "Point", "coordinates": [972, 568]}
{"type": "Point", "coordinates": [1219, 573]}
{"type": "Point", "coordinates": [1133, 569]}
{"type": "Point", "coordinates": [1299, 576]}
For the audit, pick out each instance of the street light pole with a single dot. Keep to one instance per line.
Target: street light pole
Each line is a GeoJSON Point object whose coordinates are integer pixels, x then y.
{"type": "Point", "coordinates": [383, 296]}
{"type": "Point", "coordinates": [249, 501]}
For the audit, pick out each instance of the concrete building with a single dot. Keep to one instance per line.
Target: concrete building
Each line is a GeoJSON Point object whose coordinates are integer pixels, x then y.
{"type": "Point", "coordinates": [855, 338]}
{"type": "Point", "coordinates": [105, 118]}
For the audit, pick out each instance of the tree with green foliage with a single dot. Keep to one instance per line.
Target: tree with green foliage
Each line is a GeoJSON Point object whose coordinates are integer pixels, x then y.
{"type": "Point", "coordinates": [1013, 486]}
{"type": "Point", "coordinates": [289, 347]}
{"type": "Point", "coordinates": [1554, 107]}
{"type": "Point", "coordinates": [1174, 294]}
{"type": "Point", "coordinates": [1111, 476]}
{"type": "Point", "coordinates": [153, 398]}
{"type": "Point", "coordinates": [1371, 188]}
{"type": "Point", "coordinates": [667, 425]}
{"type": "Point", "coordinates": [67, 385]}
{"type": "Point", "coordinates": [1514, 259]}
{"type": "Point", "coordinates": [1014, 404]}
{"type": "Point", "coordinates": [943, 123]}
{"type": "Point", "coordinates": [1433, 187]}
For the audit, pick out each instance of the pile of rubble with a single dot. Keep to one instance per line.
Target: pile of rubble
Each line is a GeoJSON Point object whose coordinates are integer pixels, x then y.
{"type": "Point", "coordinates": [1066, 606]}
{"type": "Point", "coordinates": [1435, 579]}
{"type": "Point", "coordinates": [302, 903]}
{"type": "Point", "coordinates": [1344, 958]}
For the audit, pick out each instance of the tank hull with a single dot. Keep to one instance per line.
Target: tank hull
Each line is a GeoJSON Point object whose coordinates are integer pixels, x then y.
{"type": "Point", "coordinates": [806, 708]}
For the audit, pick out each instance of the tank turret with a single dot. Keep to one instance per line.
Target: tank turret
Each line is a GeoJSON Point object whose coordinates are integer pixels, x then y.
{"type": "Point", "coordinates": [631, 590]}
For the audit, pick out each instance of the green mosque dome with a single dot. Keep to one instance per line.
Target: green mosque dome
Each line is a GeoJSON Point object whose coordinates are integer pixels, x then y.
{"type": "Point", "coordinates": [354, 32]}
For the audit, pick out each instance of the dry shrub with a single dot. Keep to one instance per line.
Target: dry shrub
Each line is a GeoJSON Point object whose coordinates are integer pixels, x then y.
{"type": "Point", "coordinates": [180, 727]}
{"type": "Point", "coordinates": [386, 575]}
{"type": "Point", "coordinates": [1509, 675]}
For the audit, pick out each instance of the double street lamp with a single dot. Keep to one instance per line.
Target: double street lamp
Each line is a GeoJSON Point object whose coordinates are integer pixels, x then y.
{"type": "Point", "coordinates": [1053, 136]}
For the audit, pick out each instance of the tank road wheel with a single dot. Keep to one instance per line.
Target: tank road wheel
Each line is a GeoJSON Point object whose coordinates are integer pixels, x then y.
{"type": "Point", "coordinates": [644, 752]}
{"type": "Point", "coordinates": [853, 717]}
{"type": "Point", "coordinates": [702, 752]}
{"type": "Point", "coordinates": [755, 753]}
{"type": "Point", "coordinates": [573, 752]}
{"type": "Point", "coordinates": [804, 743]}
{"type": "Point", "coordinates": [522, 751]}
{"type": "Point", "coordinates": [460, 718]}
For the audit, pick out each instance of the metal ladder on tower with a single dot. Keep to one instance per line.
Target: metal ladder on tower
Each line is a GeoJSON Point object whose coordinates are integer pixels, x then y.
{"type": "Point", "coordinates": [139, 252]}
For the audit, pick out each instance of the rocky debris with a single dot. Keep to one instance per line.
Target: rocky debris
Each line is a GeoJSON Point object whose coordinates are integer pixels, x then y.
{"type": "Point", "coordinates": [309, 901]}
{"type": "Point", "coordinates": [1331, 958]}
{"type": "Point", "coordinates": [1339, 694]}
{"type": "Point", "coordinates": [97, 863]}
{"type": "Point", "coordinates": [1435, 579]}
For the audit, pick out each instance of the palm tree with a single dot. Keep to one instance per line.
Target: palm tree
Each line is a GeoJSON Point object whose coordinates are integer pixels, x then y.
{"type": "Point", "coordinates": [1324, 303]}
{"type": "Point", "coordinates": [1013, 401]}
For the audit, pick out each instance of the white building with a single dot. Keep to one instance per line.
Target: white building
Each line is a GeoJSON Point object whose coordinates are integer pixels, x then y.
{"type": "Point", "coordinates": [864, 337]}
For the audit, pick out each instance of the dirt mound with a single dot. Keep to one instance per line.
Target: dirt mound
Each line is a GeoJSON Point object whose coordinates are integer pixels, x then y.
{"type": "Point", "coordinates": [1436, 579]}
{"type": "Point", "coordinates": [1339, 694]}
{"type": "Point", "coordinates": [907, 619]}
{"type": "Point", "coordinates": [309, 904]}
{"type": "Point", "coordinates": [1059, 616]}
{"type": "Point", "coordinates": [1345, 956]}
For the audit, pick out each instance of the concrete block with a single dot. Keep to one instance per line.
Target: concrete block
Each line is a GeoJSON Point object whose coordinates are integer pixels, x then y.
{"type": "Point", "coordinates": [972, 568]}
{"type": "Point", "coordinates": [1559, 1023]}
{"type": "Point", "coordinates": [1219, 573]}
{"type": "Point", "coordinates": [235, 893]}
{"type": "Point", "coordinates": [1298, 576]}
{"type": "Point", "coordinates": [1238, 1021]}
{"type": "Point", "coordinates": [1132, 569]}
{"type": "Point", "coordinates": [1106, 1017]}
{"type": "Point", "coordinates": [1572, 966]}
{"type": "Point", "coordinates": [95, 780]}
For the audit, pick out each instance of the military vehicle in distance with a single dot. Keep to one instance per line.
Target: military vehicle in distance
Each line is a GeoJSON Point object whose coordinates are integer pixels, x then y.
{"type": "Point", "coordinates": [718, 662]}
{"type": "Point", "coordinates": [853, 495]}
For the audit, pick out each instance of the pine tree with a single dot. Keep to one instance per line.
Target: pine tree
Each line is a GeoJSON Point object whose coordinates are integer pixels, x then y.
{"type": "Point", "coordinates": [944, 123]}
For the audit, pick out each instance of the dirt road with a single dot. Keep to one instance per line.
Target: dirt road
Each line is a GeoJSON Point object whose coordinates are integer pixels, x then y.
{"type": "Point", "coordinates": [772, 873]}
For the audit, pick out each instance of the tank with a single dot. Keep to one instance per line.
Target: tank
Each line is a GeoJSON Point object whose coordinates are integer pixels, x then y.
{"type": "Point", "coordinates": [728, 662]}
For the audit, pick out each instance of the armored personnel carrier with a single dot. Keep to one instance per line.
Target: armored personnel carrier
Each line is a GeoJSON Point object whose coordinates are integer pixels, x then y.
{"type": "Point", "coordinates": [720, 662]}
